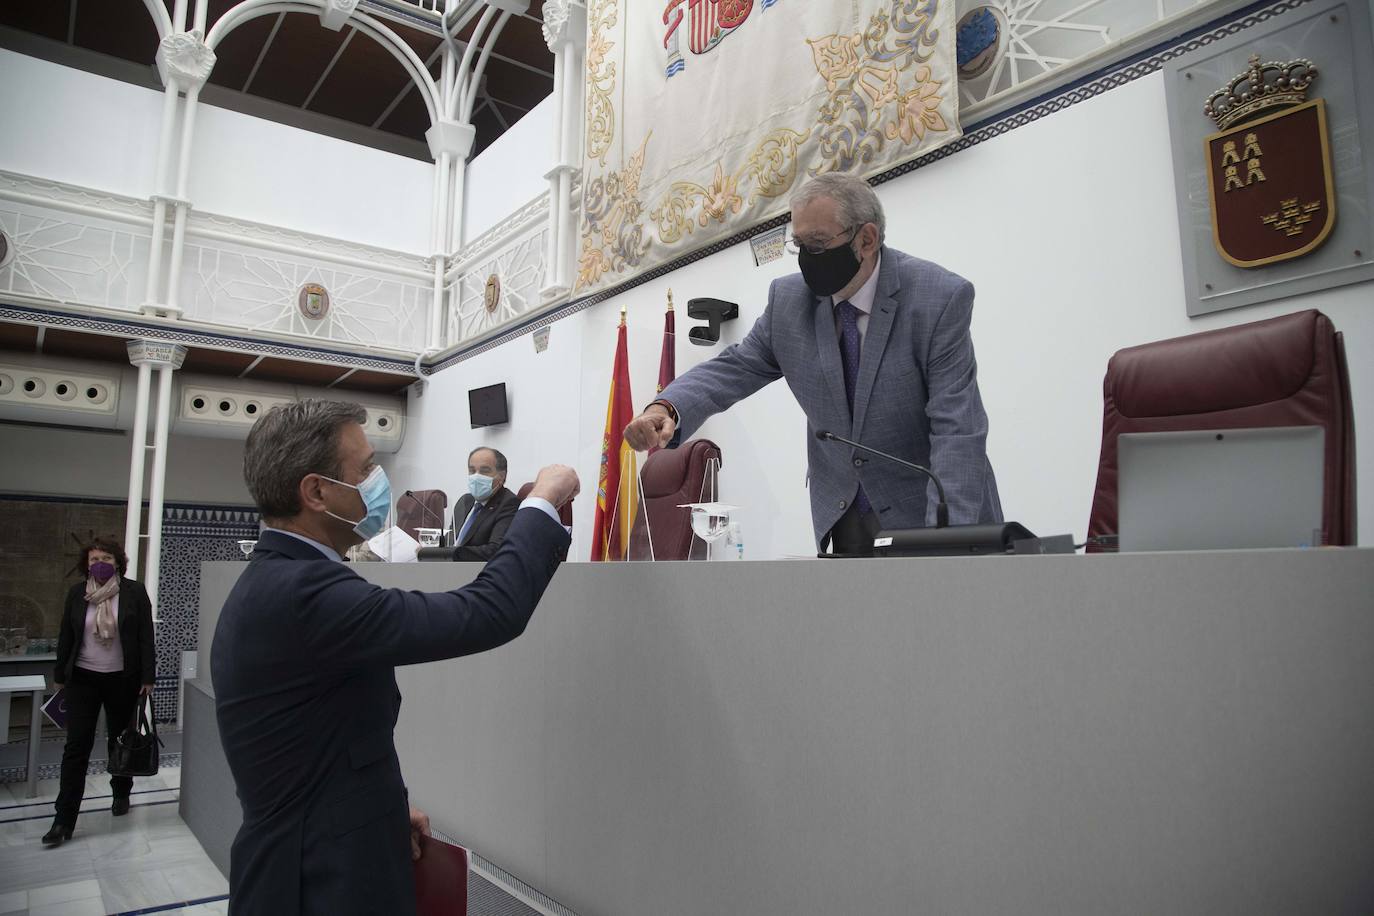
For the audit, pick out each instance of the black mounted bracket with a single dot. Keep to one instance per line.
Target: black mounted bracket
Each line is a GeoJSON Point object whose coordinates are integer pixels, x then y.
{"type": "Point", "coordinates": [714, 311]}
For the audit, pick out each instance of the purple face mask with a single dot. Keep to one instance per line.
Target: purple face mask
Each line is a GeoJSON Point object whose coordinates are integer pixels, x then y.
{"type": "Point", "coordinates": [101, 572]}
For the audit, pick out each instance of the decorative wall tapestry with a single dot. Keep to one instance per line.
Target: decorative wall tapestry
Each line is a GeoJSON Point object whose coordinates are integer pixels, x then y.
{"type": "Point", "coordinates": [704, 115]}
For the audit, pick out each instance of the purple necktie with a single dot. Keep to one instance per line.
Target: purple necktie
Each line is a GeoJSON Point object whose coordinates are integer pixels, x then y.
{"type": "Point", "coordinates": [849, 355]}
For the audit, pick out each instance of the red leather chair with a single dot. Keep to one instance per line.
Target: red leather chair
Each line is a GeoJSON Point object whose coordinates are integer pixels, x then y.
{"type": "Point", "coordinates": [669, 478]}
{"type": "Point", "coordinates": [564, 512]}
{"type": "Point", "coordinates": [420, 509]}
{"type": "Point", "coordinates": [1285, 371]}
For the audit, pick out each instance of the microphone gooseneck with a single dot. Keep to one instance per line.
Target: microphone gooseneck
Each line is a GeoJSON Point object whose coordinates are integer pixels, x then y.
{"type": "Point", "coordinates": [423, 507]}
{"type": "Point", "coordinates": [941, 508]}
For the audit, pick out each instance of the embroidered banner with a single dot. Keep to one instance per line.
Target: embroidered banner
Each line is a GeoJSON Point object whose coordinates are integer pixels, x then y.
{"type": "Point", "coordinates": [704, 115]}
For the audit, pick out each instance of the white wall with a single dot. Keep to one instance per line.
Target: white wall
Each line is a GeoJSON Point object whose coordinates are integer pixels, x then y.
{"type": "Point", "coordinates": [545, 397]}
{"type": "Point", "coordinates": [509, 173]}
{"type": "Point", "coordinates": [103, 134]}
{"type": "Point", "coordinates": [77, 127]}
{"type": "Point", "coordinates": [1071, 238]}
{"type": "Point", "coordinates": [47, 461]}
{"type": "Point", "coordinates": [261, 170]}
{"type": "Point", "coordinates": [65, 462]}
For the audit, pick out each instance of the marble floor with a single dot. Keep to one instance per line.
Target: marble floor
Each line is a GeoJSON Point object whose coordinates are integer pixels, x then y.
{"type": "Point", "coordinates": [145, 862]}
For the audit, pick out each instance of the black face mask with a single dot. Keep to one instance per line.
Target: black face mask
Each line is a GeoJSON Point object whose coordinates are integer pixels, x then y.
{"type": "Point", "coordinates": [830, 271]}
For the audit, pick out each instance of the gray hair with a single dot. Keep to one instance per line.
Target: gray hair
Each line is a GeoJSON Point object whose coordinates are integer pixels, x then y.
{"type": "Point", "coordinates": [500, 458]}
{"type": "Point", "coordinates": [289, 442]}
{"type": "Point", "coordinates": [857, 202]}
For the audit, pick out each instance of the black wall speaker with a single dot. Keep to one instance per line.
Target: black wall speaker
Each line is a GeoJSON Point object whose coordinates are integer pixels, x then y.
{"type": "Point", "coordinates": [714, 311]}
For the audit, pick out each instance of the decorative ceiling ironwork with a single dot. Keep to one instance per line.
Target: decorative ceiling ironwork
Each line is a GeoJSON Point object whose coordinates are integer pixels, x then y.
{"type": "Point", "coordinates": [290, 68]}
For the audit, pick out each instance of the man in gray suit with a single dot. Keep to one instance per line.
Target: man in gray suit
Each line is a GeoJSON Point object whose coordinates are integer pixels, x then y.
{"type": "Point", "coordinates": [875, 346]}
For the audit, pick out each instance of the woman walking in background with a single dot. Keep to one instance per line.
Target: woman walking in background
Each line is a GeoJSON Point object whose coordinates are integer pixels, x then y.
{"type": "Point", "coordinates": [104, 658]}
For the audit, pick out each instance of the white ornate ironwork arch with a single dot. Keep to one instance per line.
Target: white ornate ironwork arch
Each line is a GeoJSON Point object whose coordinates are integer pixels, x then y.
{"type": "Point", "coordinates": [161, 19]}
{"type": "Point", "coordinates": [367, 25]}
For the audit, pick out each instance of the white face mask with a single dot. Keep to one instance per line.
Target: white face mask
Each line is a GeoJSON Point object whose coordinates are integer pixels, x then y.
{"type": "Point", "coordinates": [480, 486]}
{"type": "Point", "coordinates": [376, 493]}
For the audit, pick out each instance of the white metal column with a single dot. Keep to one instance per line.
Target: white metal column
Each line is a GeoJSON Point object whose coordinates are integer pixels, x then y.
{"type": "Point", "coordinates": [157, 485]}
{"type": "Point", "coordinates": [151, 298]}
{"type": "Point", "coordinates": [565, 27]}
{"type": "Point", "coordinates": [183, 204]}
{"type": "Point", "coordinates": [133, 520]}
{"type": "Point", "coordinates": [184, 61]}
{"type": "Point", "coordinates": [166, 358]}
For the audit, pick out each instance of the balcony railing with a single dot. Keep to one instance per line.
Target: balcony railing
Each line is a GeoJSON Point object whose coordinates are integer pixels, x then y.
{"type": "Point", "coordinates": [74, 247]}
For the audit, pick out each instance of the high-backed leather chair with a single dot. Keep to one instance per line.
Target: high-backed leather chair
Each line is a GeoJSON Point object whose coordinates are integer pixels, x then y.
{"type": "Point", "coordinates": [1285, 371]}
{"type": "Point", "coordinates": [669, 478]}
{"type": "Point", "coordinates": [564, 511]}
{"type": "Point", "coordinates": [420, 509]}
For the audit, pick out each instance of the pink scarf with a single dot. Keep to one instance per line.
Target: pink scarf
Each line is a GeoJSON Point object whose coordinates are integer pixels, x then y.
{"type": "Point", "coordinates": [102, 596]}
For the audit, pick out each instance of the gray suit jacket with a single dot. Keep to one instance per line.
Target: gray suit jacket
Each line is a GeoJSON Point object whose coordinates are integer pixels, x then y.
{"type": "Point", "coordinates": [917, 394]}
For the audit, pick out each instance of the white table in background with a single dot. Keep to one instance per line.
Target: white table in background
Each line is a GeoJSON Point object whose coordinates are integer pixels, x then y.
{"type": "Point", "coordinates": [11, 665]}
{"type": "Point", "coordinates": [34, 684]}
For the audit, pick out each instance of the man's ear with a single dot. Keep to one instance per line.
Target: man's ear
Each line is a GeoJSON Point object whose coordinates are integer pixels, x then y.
{"type": "Point", "coordinates": [869, 236]}
{"type": "Point", "coordinates": [311, 492]}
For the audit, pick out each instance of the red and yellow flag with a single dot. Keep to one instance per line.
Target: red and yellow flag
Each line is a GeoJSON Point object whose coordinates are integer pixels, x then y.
{"type": "Point", "coordinates": [617, 490]}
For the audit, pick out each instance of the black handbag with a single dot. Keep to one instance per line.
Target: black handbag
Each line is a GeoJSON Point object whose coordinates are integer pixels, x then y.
{"type": "Point", "coordinates": [136, 750]}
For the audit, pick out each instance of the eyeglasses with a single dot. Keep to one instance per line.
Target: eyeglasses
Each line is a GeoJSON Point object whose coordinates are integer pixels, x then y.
{"type": "Point", "coordinates": [795, 246]}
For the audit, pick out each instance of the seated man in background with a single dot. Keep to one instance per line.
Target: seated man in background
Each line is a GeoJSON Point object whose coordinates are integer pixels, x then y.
{"type": "Point", "coordinates": [482, 514]}
{"type": "Point", "coordinates": [303, 666]}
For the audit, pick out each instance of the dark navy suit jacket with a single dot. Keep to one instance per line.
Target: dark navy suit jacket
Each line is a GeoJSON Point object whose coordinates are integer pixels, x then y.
{"type": "Point", "coordinates": [306, 699]}
{"type": "Point", "coordinates": [488, 529]}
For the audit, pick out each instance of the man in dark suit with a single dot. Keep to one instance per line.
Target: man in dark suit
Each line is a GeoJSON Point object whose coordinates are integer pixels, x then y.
{"type": "Point", "coordinates": [483, 514]}
{"type": "Point", "coordinates": [302, 666]}
{"type": "Point", "coordinates": [875, 346]}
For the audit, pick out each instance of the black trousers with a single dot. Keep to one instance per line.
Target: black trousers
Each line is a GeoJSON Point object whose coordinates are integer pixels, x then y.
{"type": "Point", "coordinates": [87, 692]}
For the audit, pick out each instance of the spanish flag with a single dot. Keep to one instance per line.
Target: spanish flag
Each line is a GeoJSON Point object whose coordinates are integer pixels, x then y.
{"type": "Point", "coordinates": [617, 489]}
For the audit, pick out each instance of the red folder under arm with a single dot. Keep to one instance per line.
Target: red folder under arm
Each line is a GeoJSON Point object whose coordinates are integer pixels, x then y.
{"type": "Point", "coordinates": [441, 879]}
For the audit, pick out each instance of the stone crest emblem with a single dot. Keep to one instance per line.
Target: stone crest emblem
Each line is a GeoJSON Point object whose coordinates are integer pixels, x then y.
{"type": "Point", "coordinates": [313, 301]}
{"type": "Point", "coordinates": [1269, 167]}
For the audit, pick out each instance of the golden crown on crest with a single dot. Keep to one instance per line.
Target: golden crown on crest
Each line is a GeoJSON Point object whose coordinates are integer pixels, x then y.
{"type": "Point", "coordinates": [1268, 85]}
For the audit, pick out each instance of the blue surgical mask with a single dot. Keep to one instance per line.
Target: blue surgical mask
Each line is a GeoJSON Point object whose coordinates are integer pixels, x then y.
{"type": "Point", "coordinates": [479, 486]}
{"type": "Point", "coordinates": [376, 493]}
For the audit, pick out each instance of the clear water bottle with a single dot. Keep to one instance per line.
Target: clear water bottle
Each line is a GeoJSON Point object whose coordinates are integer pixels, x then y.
{"type": "Point", "coordinates": [737, 540]}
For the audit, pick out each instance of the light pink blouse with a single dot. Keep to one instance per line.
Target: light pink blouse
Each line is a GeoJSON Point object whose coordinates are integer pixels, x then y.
{"type": "Point", "coordinates": [94, 656]}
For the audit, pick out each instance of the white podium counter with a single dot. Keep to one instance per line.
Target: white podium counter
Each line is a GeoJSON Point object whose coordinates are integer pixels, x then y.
{"type": "Point", "coordinates": [1148, 733]}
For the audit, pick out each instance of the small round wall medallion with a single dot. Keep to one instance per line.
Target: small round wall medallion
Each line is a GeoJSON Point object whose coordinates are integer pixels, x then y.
{"type": "Point", "coordinates": [5, 249]}
{"type": "Point", "coordinates": [491, 296]}
{"type": "Point", "coordinates": [980, 40]}
{"type": "Point", "coordinates": [313, 301]}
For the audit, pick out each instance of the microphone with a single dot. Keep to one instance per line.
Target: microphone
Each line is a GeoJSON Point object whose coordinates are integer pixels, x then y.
{"type": "Point", "coordinates": [941, 508]}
